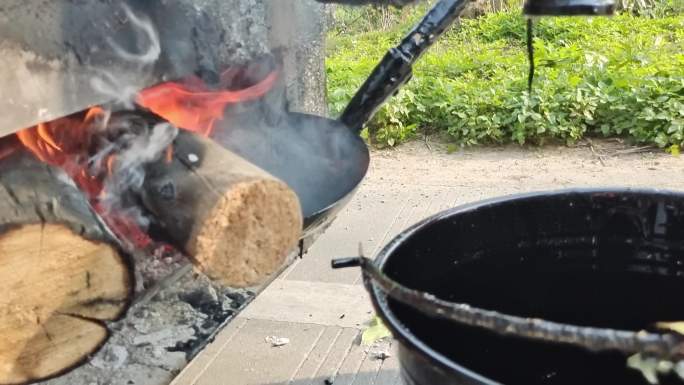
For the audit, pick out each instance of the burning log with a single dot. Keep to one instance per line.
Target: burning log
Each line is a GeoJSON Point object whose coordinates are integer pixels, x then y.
{"type": "Point", "coordinates": [62, 273]}
{"type": "Point", "coordinates": [236, 221]}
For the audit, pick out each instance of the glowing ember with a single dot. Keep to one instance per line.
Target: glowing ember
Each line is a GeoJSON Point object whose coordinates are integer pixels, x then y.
{"type": "Point", "coordinates": [193, 106]}
{"type": "Point", "coordinates": [124, 227]}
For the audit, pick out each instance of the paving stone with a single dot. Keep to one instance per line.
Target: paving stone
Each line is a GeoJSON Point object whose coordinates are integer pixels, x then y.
{"type": "Point", "coordinates": [329, 304]}
{"type": "Point", "coordinates": [249, 360]}
{"type": "Point", "coordinates": [198, 366]}
{"type": "Point", "coordinates": [364, 221]}
{"type": "Point", "coordinates": [308, 370]}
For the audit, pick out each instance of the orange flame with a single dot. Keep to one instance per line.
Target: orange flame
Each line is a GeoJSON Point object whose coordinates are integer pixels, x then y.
{"type": "Point", "coordinates": [193, 106]}
{"type": "Point", "coordinates": [63, 143]}
{"type": "Point", "coordinates": [66, 142]}
{"type": "Point", "coordinates": [58, 141]}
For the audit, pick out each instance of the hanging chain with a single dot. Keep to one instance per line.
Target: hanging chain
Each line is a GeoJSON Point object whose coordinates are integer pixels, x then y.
{"type": "Point", "coordinates": [530, 54]}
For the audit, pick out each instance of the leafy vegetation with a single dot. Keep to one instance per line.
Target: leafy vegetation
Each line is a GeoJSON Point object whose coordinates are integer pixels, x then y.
{"type": "Point", "coordinates": [618, 76]}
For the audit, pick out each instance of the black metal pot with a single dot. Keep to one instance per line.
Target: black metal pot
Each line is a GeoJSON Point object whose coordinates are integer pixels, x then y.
{"type": "Point", "coordinates": [598, 259]}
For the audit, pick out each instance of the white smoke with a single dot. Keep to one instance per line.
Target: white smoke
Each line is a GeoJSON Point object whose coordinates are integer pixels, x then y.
{"type": "Point", "coordinates": [113, 86]}
{"type": "Point", "coordinates": [124, 142]}
{"type": "Point", "coordinates": [138, 145]}
{"type": "Point", "coordinates": [318, 158]}
{"type": "Point", "coordinates": [107, 84]}
{"type": "Point", "coordinates": [144, 28]}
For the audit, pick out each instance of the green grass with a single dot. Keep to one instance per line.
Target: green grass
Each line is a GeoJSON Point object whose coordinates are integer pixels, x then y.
{"type": "Point", "coordinates": [619, 76]}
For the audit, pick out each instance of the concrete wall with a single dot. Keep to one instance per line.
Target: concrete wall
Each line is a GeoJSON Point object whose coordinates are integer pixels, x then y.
{"type": "Point", "coordinates": [298, 32]}
{"type": "Point", "coordinates": [51, 51]}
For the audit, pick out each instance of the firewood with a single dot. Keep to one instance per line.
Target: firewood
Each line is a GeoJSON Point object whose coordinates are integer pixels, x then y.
{"type": "Point", "coordinates": [62, 274]}
{"type": "Point", "coordinates": [236, 221]}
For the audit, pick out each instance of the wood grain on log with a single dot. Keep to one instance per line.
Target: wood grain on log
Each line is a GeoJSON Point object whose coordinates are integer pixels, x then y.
{"type": "Point", "coordinates": [62, 273]}
{"type": "Point", "coordinates": [236, 221]}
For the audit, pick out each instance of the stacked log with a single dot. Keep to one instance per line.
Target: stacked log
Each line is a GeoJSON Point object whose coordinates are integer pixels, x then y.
{"type": "Point", "coordinates": [64, 275]}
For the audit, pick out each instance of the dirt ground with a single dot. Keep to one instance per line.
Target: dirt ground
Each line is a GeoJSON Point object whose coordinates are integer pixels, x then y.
{"type": "Point", "coordinates": [511, 169]}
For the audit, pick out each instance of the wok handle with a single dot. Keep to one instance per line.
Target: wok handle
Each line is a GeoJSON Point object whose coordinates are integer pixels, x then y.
{"type": "Point", "coordinates": [395, 68]}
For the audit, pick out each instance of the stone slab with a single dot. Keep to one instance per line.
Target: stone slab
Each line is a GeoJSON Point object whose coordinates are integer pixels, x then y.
{"type": "Point", "coordinates": [248, 359]}
{"type": "Point", "coordinates": [320, 303]}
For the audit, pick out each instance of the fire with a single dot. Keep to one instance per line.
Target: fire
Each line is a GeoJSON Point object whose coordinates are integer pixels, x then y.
{"type": "Point", "coordinates": [64, 143]}
{"type": "Point", "coordinates": [67, 142]}
{"type": "Point", "coordinates": [193, 106]}
{"type": "Point", "coordinates": [55, 142]}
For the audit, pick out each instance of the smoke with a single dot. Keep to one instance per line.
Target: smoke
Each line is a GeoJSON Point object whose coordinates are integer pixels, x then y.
{"type": "Point", "coordinates": [120, 93]}
{"type": "Point", "coordinates": [320, 159]}
{"type": "Point", "coordinates": [146, 36]}
{"type": "Point", "coordinates": [123, 140]}
{"type": "Point", "coordinates": [131, 142]}
{"type": "Point", "coordinates": [145, 32]}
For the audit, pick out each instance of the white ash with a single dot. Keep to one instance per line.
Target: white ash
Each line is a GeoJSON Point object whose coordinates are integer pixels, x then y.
{"type": "Point", "coordinates": [165, 338]}
{"type": "Point", "coordinates": [153, 364]}
{"type": "Point", "coordinates": [113, 357]}
{"type": "Point", "coordinates": [147, 346]}
{"type": "Point", "coordinates": [153, 268]}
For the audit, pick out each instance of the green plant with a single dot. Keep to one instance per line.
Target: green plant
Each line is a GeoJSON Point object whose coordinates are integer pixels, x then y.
{"type": "Point", "coordinates": [619, 76]}
{"type": "Point", "coordinates": [392, 124]}
{"type": "Point", "coordinates": [651, 8]}
{"type": "Point", "coordinates": [347, 20]}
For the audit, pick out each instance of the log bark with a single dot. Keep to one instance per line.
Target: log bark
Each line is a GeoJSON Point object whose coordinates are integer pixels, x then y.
{"type": "Point", "coordinates": [62, 274]}
{"type": "Point", "coordinates": [236, 221]}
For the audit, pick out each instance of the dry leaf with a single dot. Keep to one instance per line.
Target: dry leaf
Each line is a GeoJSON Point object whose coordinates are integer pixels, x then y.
{"type": "Point", "coordinates": [376, 331]}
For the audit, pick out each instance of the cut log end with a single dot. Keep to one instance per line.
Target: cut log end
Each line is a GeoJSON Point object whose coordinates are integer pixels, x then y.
{"type": "Point", "coordinates": [236, 221]}
{"type": "Point", "coordinates": [249, 232]}
{"type": "Point", "coordinates": [58, 287]}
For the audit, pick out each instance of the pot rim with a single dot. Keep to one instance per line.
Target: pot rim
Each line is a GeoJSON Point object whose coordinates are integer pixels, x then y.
{"type": "Point", "coordinates": [393, 322]}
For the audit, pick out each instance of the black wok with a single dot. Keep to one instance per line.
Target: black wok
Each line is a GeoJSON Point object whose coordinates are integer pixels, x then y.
{"type": "Point", "coordinates": [320, 159]}
{"type": "Point", "coordinates": [324, 160]}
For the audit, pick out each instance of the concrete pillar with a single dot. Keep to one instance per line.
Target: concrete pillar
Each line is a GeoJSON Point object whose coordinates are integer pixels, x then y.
{"type": "Point", "coordinates": [297, 31]}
